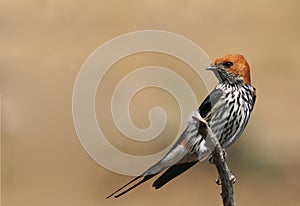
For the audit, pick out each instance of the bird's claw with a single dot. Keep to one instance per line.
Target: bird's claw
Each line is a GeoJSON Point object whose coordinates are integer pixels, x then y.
{"type": "Point", "coordinates": [218, 181]}
{"type": "Point", "coordinates": [232, 179]}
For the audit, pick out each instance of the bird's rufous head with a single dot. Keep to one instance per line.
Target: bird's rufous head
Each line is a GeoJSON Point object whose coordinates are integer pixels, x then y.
{"type": "Point", "coordinates": [235, 64]}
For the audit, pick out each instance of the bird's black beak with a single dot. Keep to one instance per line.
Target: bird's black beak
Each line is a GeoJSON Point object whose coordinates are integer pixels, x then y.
{"type": "Point", "coordinates": [212, 67]}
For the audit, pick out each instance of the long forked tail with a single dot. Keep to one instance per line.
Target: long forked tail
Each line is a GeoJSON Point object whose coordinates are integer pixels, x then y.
{"type": "Point", "coordinates": [168, 175]}
{"type": "Point", "coordinates": [146, 178]}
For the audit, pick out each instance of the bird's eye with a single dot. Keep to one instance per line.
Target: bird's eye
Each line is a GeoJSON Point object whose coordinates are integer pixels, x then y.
{"type": "Point", "coordinates": [227, 64]}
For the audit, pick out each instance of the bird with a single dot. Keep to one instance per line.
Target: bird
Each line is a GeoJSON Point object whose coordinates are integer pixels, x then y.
{"type": "Point", "coordinates": [225, 112]}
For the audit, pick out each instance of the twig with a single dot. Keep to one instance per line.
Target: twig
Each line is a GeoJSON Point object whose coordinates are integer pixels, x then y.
{"type": "Point", "coordinates": [219, 161]}
{"type": "Point", "coordinates": [224, 175]}
{"type": "Point", "coordinates": [222, 168]}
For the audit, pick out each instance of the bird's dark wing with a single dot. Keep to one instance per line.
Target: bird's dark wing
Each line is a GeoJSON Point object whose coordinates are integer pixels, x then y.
{"type": "Point", "coordinates": [172, 172]}
{"type": "Point", "coordinates": [210, 102]}
{"type": "Point", "coordinates": [177, 169]}
{"type": "Point", "coordinates": [180, 157]}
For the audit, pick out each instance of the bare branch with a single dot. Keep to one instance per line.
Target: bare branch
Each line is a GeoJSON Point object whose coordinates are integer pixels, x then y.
{"type": "Point", "coordinates": [224, 172]}
{"type": "Point", "coordinates": [224, 175]}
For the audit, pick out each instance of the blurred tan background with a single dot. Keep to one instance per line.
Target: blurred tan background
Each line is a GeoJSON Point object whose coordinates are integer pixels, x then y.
{"type": "Point", "coordinates": [42, 47]}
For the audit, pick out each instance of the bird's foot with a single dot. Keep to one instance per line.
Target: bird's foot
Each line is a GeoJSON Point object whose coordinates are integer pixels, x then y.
{"type": "Point", "coordinates": [218, 181]}
{"type": "Point", "coordinates": [232, 179]}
